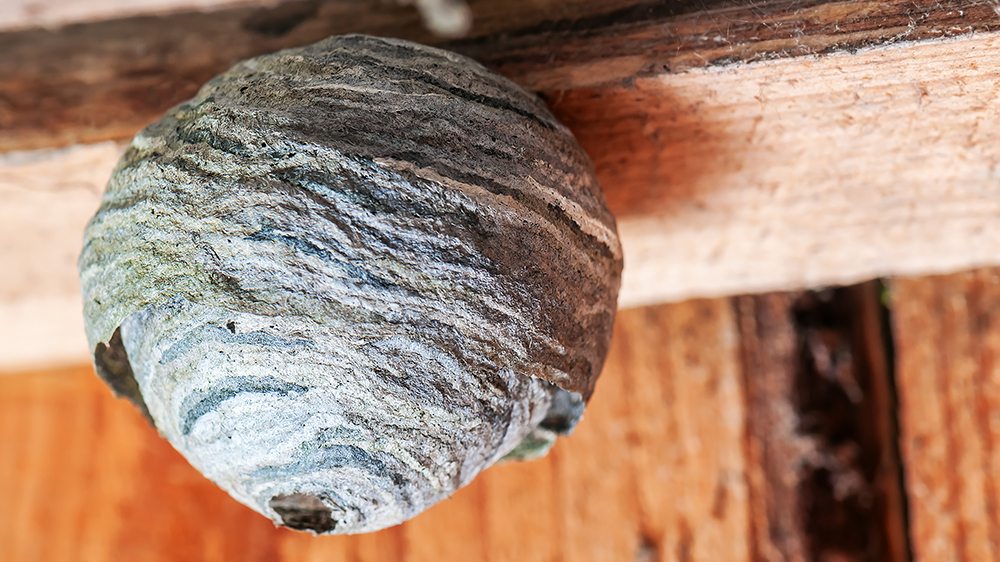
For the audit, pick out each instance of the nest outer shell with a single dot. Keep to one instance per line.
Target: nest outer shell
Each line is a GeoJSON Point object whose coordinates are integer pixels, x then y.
{"type": "Point", "coordinates": [345, 278]}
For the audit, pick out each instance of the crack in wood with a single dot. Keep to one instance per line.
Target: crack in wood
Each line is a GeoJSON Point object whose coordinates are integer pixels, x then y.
{"type": "Point", "coordinates": [821, 433]}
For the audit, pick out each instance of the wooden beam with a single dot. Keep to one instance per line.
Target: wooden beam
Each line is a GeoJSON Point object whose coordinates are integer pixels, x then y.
{"type": "Point", "coordinates": [800, 172]}
{"type": "Point", "coordinates": [27, 14]}
{"type": "Point", "coordinates": [947, 333]}
{"type": "Point", "coordinates": [774, 175]}
{"type": "Point", "coordinates": [683, 403]}
{"type": "Point", "coordinates": [46, 198]}
{"type": "Point", "coordinates": [104, 80]}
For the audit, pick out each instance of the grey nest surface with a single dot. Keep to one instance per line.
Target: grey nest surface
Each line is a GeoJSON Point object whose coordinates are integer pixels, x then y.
{"type": "Point", "coordinates": [344, 279]}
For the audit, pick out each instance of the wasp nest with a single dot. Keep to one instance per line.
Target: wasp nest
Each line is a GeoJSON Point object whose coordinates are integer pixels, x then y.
{"type": "Point", "coordinates": [344, 279]}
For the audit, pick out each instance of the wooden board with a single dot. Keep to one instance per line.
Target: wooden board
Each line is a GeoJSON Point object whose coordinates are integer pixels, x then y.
{"type": "Point", "coordinates": [104, 80]}
{"type": "Point", "coordinates": [26, 14]}
{"type": "Point", "coordinates": [781, 174]}
{"type": "Point", "coordinates": [947, 333]}
{"type": "Point", "coordinates": [800, 172]}
{"type": "Point", "coordinates": [655, 472]}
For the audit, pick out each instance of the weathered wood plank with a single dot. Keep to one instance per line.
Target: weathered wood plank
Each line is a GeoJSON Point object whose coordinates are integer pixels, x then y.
{"type": "Point", "coordinates": [801, 173]}
{"type": "Point", "coordinates": [947, 333]}
{"type": "Point", "coordinates": [104, 80]}
{"type": "Point", "coordinates": [822, 468]}
{"type": "Point", "coordinates": [686, 417]}
{"type": "Point", "coordinates": [651, 473]}
{"type": "Point", "coordinates": [776, 175]}
{"type": "Point", "coordinates": [26, 14]}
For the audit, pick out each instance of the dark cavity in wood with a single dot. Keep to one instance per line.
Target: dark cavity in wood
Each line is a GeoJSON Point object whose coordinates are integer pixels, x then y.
{"type": "Point", "coordinates": [821, 429]}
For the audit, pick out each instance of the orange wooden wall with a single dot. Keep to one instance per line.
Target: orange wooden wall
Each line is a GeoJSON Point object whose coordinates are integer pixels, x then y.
{"type": "Point", "coordinates": [791, 426]}
{"type": "Point", "coordinates": [655, 465]}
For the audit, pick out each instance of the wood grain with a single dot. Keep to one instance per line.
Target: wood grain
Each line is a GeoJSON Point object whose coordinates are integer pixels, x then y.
{"type": "Point", "coordinates": [104, 80]}
{"type": "Point", "coordinates": [655, 472]}
{"type": "Point", "coordinates": [687, 423]}
{"type": "Point", "coordinates": [26, 14]}
{"type": "Point", "coordinates": [947, 333]}
{"type": "Point", "coordinates": [781, 174]}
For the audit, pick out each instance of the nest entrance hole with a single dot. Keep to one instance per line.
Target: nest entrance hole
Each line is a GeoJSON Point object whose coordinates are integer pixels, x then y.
{"type": "Point", "coordinates": [304, 512]}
